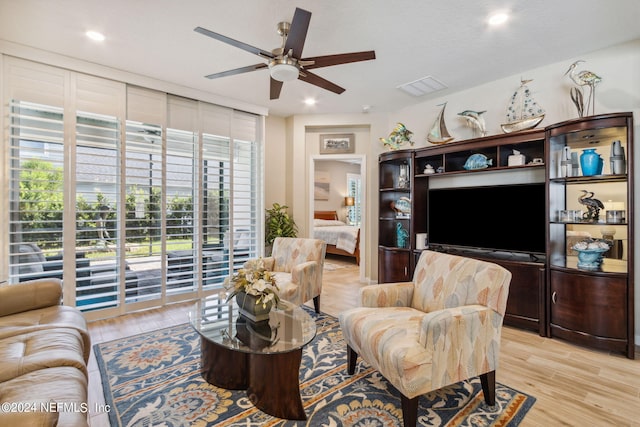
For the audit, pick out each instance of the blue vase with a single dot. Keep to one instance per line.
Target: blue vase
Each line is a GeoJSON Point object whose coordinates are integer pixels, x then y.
{"type": "Point", "coordinates": [591, 162]}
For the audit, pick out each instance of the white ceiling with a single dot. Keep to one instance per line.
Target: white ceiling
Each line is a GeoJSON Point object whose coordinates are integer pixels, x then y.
{"type": "Point", "coordinates": [446, 39]}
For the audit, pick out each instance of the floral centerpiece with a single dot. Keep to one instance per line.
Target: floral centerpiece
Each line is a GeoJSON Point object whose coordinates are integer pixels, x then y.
{"type": "Point", "coordinates": [255, 290]}
{"type": "Point", "coordinates": [590, 252]}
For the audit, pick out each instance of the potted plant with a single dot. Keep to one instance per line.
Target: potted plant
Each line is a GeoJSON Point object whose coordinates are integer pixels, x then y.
{"type": "Point", "coordinates": [255, 290]}
{"type": "Point", "coordinates": [278, 223]}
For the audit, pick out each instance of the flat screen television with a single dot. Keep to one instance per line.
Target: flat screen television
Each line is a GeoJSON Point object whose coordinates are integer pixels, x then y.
{"type": "Point", "coordinates": [507, 218]}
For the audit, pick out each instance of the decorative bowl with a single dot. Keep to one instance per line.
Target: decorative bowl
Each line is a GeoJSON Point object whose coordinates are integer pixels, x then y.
{"type": "Point", "coordinates": [590, 259]}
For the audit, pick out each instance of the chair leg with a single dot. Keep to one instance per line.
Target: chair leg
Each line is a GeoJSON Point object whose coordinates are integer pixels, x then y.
{"type": "Point", "coordinates": [316, 303]}
{"type": "Point", "coordinates": [352, 358]}
{"type": "Point", "coordinates": [410, 411]}
{"type": "Point", "coordinates": [488, 382]}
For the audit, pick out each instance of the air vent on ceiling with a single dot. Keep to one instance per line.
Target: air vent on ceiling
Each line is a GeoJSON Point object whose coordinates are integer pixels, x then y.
{"type": "Point", "coordinates": [423, 86]}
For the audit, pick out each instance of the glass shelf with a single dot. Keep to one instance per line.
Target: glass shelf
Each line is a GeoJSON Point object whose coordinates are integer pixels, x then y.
{"type": "Point", "coordinates": [609, 266]}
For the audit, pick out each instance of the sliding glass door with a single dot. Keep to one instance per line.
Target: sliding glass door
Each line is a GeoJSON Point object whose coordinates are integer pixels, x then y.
{"type": "Point", "coordinates": [129, 214]}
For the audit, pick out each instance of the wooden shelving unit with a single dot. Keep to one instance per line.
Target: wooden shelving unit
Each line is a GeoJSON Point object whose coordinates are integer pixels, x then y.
{"type": "Point", "coordinates": [551, 296]}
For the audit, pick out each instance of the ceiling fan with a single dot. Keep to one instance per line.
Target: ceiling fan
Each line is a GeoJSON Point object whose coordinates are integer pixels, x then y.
{"type": "Point", "coordinates": [286, 63]}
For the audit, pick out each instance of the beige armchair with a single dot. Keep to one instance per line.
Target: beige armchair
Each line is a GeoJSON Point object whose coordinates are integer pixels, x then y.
{"type": "Point", "coordinates": [442, 328]}
{"type": "Point", "coordinates": [297, 264]}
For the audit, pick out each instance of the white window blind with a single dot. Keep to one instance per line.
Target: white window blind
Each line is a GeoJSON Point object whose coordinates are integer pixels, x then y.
{"type": "Point", "coordinates": [244, 203]}
{"type": "Point", "coordinates": [97, 205]}
{"type": "Point", "coordinates": [354, 189]}
{"type": "Point", "coordinates": [143, 217]}
{"type": "Point", "coordinates": [181, 230]}
{"type": "Point", "coordinates": [112, 185]}
{"type": "Point", "coordinates": [216, 186]}
{"type": "Point", "coordinates": [36, 204]}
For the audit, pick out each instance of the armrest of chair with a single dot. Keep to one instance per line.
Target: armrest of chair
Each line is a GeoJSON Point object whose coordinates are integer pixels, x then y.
{"type": "Point", "coordinates": [462, 342]}
{"type": "Point", "coordinates": [387, 295]}
{"type": "Point", "coordinates": [269, 262]}
{"type": "Point", "coordinates": [30, 295]}
{"type": "Point", "coordinates": [304, 270]}
{"type": "Point", "coordinates": [467, 322]}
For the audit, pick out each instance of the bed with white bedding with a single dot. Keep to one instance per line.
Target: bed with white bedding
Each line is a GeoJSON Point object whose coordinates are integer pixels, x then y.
{"type": "Point", "coordinates": [341, 239]}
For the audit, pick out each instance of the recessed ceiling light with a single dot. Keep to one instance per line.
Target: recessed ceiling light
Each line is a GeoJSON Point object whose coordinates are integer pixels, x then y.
{"type": "Point", "coordinates": [95, 36]}
{"type": "Point", "coordinates": [310, 101]}
{"type": "Point", "coordinates": [498, 18]}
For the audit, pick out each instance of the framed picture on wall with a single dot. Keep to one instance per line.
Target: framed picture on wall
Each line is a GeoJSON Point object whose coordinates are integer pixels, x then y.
{"type": "Point", "coordinates": [321, 185]}
{"type": "Point", "coordinates": [337, 143]}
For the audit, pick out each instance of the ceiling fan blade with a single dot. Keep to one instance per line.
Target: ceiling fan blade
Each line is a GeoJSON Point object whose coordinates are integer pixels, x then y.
{"type": "Point", "coordinates": [316, 80]}
{"type": "Point", "coordinates": [297, 32]}
{"type": "Point", "coordinates": [343, 58]}
{"type": "Point", "coordinates": [232, 42]}
{"type": "Point", "coordinates": [236, 71]}
{"type": "Point", "coordinates": [275, 88]}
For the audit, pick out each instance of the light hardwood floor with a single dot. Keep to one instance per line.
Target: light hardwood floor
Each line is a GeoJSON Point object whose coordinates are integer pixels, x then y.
{"type": "Point", "coordinates": [574, 386]}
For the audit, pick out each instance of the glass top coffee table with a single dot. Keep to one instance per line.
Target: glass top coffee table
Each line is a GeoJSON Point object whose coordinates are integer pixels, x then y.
{"type": "Point", "coordinates": [260, 357]}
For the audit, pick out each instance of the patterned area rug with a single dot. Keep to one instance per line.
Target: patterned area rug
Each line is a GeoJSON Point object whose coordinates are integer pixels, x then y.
{"type": "Point", "coordinates": [154, 379]}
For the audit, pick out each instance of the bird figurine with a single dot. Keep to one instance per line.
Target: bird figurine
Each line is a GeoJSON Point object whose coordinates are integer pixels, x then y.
{"type": "Point", "coordinates": [583, 78]}
{"type": "Point", "coordinates": [475, 120]}
{"type": "Point", "coordinates": [397, 137]}
{"type": "Point", "coordinates": [593, 206]}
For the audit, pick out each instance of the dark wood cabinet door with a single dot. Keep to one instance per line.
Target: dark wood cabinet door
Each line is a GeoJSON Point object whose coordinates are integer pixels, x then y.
{"type": "Point", "coordinates": [393, 265]}
{"type": "Point", "coordinates": [525, 305]}
{"type": "Point", "coordinates": [589, 304]}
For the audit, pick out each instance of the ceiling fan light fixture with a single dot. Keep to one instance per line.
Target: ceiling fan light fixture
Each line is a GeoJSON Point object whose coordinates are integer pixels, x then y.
{"type": "Point", "coordinates": [283, 69]}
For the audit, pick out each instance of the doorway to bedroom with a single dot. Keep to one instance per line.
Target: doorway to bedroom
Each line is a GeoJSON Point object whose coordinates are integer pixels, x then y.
{"type": "Point", "coordinates": [338, 199]}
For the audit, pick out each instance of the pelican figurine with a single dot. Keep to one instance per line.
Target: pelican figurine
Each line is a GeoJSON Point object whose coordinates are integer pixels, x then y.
{"type": "Point", "coordinates": [584, 78]}
{"type": "Point", "coordinates": [593, 206]}
{"type": "Point", "coordinates": [475, 120]}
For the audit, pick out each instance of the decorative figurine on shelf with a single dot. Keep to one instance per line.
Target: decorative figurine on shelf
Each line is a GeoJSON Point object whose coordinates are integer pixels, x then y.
{"type": "Point", "coordinates": [397, 137]}
{"type": "Point", "coordinates": [583, 78]}
{"type": "Point", "coordinates": [477, 161]}
{"type": "Point", "coordinates": [438, 134]}
{"type": "Point", "coordinates": [403, 176]}
{"type": "Point", "coordinates": [475, 120]}
{"type": "Point", "coordinates": [593, 206]}
{"type": "Point", "coordinates": [523, 111]}
{"type": "Point", "coordinates": [402, 207]}
{"type": "Point", "coordinates": [401, 236]}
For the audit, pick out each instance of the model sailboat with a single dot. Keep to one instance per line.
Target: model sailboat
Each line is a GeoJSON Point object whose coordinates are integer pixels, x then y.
{"type": "Point", "coordinates": [523, 111]}
{"type": "Point", "coordinates": [439, 133]}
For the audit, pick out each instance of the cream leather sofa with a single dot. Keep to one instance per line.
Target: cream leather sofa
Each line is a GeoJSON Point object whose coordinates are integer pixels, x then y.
{"type": "Point", "coordinates": [44, 349]}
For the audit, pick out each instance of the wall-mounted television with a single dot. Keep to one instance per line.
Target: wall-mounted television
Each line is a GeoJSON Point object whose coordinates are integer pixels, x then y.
{"type": "Point", "coordinates": [508, 218]}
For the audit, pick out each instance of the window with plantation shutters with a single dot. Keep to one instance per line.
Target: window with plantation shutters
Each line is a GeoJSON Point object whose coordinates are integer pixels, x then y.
{"type": "Point", "coordinates": [143, 169]}
{"type": "Point", "coordinates": [216, 197]}
{"type": "Point", "coordinates": [97, 204]}
{"type": "Point", "coordinates": [36, 205]}
{"type": "Point", "coordinates": [244, 203]}
{"type": "Point", "coordinates": [181, 202]}
{"type": "Point", "coordinates": [133, 197]}
{"type": "Point", "coordinates": [354, 213]}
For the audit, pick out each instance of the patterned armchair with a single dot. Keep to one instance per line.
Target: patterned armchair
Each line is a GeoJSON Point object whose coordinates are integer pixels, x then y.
{"type": "Point", "coordinates": [297, 264]}
{"type": "Point", "coordinates": [442, 328]}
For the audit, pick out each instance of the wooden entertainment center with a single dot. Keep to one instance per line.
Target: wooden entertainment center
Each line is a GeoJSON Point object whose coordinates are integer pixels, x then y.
{"type": "Point", "coordinates": [549, 294]}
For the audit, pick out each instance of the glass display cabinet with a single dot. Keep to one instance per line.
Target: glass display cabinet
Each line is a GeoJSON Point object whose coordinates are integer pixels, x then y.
{"type": "Point", "coordinates": [590, 206]}
{"type": "Point", "coordinates": [395, 231]}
